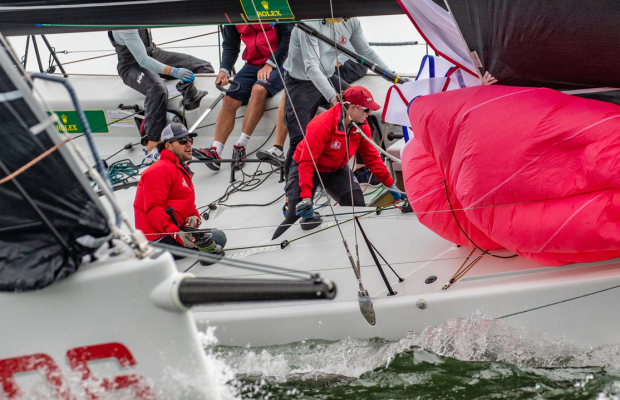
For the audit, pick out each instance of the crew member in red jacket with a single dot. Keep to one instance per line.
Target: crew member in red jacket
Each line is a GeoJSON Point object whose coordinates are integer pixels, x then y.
{"type": "Point", "coordinates": [168, 183]}
{"type": "Point", "coordinates": [259, 78]}
{"type": "Point", "coordinates": [327, 136]}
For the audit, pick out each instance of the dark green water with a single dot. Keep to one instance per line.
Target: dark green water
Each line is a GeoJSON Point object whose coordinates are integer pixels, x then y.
{"type": "Point", "coordinates": [461, 359]}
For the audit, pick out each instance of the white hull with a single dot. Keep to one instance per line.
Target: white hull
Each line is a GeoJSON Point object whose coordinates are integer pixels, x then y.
{"type": "Point", "coordinates": [494, 287]}
{"type": "Point", "coordinates": [103, 319]}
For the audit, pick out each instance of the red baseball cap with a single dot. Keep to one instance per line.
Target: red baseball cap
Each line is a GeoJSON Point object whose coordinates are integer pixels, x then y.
{"type": "Point", "coordinates": [360, 96]}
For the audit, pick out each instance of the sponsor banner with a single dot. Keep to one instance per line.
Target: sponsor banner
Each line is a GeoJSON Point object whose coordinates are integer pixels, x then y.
{"type": "Point", "coordinates": [96, 119]}
{"type": "Point", "coordinates": [268, 10]}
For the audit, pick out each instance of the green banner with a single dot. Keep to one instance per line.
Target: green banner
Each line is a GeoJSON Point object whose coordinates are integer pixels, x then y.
{"type": "Point", "coordinates": [268, 10]}
{"type": "Point", "coordinates": [96, 119]}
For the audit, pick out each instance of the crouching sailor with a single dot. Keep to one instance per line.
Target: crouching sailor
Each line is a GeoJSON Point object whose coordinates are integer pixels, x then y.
{"type": "Point", "coordinates": [326, 139]}
{"type": "Point", "coordinates": [140, 64]}
{"type": "Point", "coordinates": [164, 207]}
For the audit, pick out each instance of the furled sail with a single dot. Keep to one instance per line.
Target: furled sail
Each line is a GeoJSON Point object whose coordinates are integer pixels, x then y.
{"type": "Point", "coordinates": [50, 217]}
{"type": "Point", "coordinates": [19, 17]}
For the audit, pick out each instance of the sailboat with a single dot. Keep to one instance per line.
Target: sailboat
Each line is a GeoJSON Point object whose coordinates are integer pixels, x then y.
{"type": "Point", "coordinates": [414, 277]}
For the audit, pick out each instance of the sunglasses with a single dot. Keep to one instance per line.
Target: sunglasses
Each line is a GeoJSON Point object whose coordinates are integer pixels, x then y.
{"type": "Point", "coordinates": [365, 109]}
{"type": "Point", "coordinates": [183, 141]}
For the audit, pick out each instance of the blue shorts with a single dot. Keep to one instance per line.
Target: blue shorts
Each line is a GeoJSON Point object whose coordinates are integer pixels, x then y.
{"type": "Point", "coordinates": [247, 78]}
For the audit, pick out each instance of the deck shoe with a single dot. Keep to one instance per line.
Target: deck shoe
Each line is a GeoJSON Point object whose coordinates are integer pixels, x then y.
{"type": "Point", "coordinates": [208, 154]}
{"type": "Point", "coordinates": [191, 95]}
{"type": "Point", "coordinates": [311, 223]}
{"type": "Point", "coordinates": [364, 175]}
{"type": "Point", "coordinates": [271, 154]}
{"type": "Point", "coordinates": [238, 154]}
{"type": "Point", "coordinates": [151, 157]}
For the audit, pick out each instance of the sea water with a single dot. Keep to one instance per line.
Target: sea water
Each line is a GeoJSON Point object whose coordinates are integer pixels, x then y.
{"type": "Point", "coordinates": [470, 358]}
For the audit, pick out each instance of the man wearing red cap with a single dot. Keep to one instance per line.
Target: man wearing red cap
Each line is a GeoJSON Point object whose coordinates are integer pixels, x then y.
{"type": "Point", "coordinates": [331, 140]}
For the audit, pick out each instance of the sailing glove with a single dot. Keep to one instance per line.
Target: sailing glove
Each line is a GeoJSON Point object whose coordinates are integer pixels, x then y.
{"type": "Point", "coordinates": [183, 74]}
{"type": "Point", "coordinates": [192, 222]}
{"type": "Point", "coordinates": [187, 239]}
{"type": "Point", "coordinates": [396, 193]}
{"type": "Point", "coordinates": [305, 209]}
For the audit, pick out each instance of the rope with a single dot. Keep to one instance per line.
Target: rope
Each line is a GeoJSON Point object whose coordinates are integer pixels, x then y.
{"type": "Point", "coordinates": [558, 302]}
{"type": "Point", "coordinates": [302, 130]}
{"type": "Point", "coordinates": [462, 230]}
{"type": "Point", "coordinates": [112, 54]}
{"type": "Point", "coordinates": [395, 43]}
{"type": "Point", "coordinates": [34, 161]}
{"type": "Point", "coordinates": [461, 272]}
{"type": "Point", "coordinates": [121, 171]}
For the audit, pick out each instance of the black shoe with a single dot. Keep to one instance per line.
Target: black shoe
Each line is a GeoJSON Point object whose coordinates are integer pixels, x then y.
{"type": "Point", "coordinates": [311, 223]}
{"type": "Point", "coordinates": [208, 154]}
{"type": "Point", "coordinates": [363, 175]}
{"type": "Point", "coordinates": [191, 95]}
{"type": "Point", "coordinates": [238, 154]}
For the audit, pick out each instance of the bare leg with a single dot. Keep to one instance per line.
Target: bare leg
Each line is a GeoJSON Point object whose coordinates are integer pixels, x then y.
{"type": "Point", "coordinates": [281, 130]}
{"type": "Point", "coordinates": [225, 122]}
{"type": "Point", "coordinates": [150, 146]}
{"type": "Point", "coordinates": [255, 111]}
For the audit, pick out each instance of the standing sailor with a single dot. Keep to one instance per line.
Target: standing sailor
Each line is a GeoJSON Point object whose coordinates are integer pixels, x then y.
{"type": "Point", "coordinates": [349, 70]}
{"type": "Point", "coordinates": [259, 78]}
{"type": "Point", "coordinates": [331, 140]}
{"type": "Point", "coordinates": [311, 72]}
{"type": "Point", "coordinates": [141, 64]}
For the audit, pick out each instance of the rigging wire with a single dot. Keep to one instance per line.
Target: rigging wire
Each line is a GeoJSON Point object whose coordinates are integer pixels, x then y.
{"type": "Point", "coordinates": [304, 135]}
{"type": "Point", "coordinates": [112, 54]}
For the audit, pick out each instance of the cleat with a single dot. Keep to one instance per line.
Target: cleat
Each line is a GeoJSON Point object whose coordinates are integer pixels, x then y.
{"type": "Point", "coordinates": [271, 154]}
{"type": "Point", "coordinates": [238, 154]}
{"type": "Point", "coordinates": [363, 175]}
{"type": "Point", "coordinates": [208, 154]}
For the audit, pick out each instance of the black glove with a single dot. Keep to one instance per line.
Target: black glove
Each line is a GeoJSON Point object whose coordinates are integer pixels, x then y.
{"type": "Point", "coordinates": [305, 209]}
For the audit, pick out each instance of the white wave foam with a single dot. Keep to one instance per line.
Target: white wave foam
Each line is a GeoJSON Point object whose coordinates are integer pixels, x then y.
{"type": "Point", "coordinates": [471, 339]}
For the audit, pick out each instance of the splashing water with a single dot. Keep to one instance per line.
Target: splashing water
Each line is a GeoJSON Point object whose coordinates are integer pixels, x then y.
{"type": "Point", "coordinates": [462, 358]}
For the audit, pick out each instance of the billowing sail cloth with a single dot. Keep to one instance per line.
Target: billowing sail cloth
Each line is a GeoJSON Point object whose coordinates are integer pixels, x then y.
{"type": "Point", "coordinates": [531, 170]}
{"type": "Point", "coordinates": [50, 218]}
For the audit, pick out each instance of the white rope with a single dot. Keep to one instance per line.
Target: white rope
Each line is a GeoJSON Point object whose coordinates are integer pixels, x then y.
{"type": "Point", "coordinates": [388, 155]}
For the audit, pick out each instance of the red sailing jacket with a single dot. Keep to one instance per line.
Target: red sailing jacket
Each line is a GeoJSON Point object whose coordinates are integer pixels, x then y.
{"type": "Point", "coordinates": [257, 50]}
{"type": "Point", "coordinates": [328, 145]}
{"type": "Point", "coordinates": [165, 183]}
